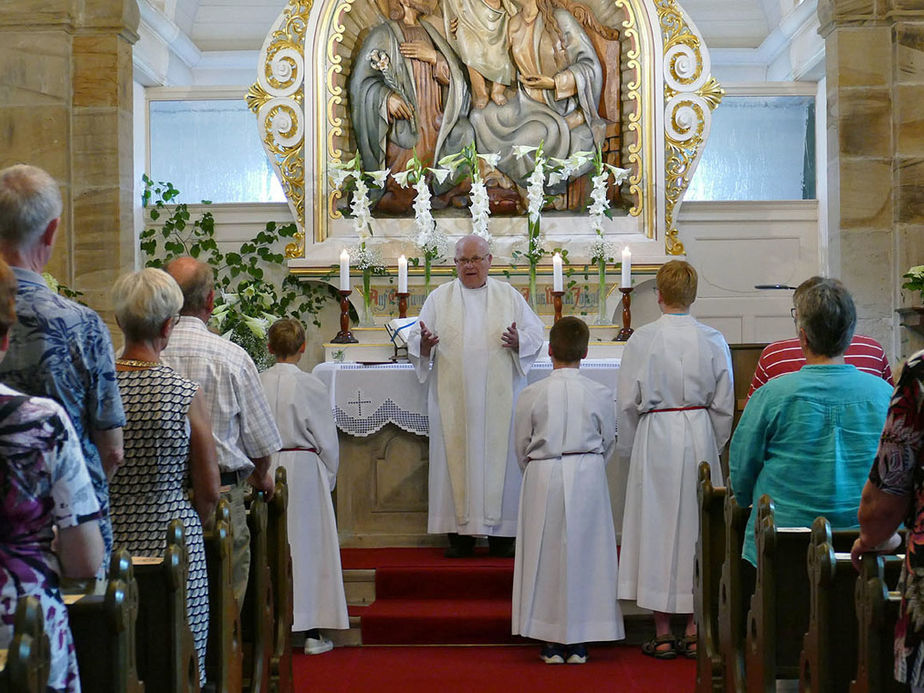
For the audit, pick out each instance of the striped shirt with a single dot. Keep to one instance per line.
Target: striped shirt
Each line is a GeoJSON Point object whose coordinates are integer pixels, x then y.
{"type": "Point", "coordinates": [242, 424]}
{"type": "Point", "coordinates": [785, 356]}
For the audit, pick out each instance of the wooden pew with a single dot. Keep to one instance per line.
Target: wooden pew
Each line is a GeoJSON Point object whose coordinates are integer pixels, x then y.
{"type": "Point", "coordinates": [224, 656]}
{"type": "Point", "coordinates": [280, 561]}
{"type": "Point", "coordinates": [257, 614]}
{"type": "Point", "coordinates": [877, 607]}
{"type": "Point", "coordinates": [166, 653]}
{"type": "Point", "coordinates": [707, 571]}
{"type": "Point", "coordinates": [27, 663]}
{"type": "Point", "coordinates": [103, 626]}
{"type": "Point", "coordinates": [735, 588]}
{"type": "Point", "coordinates": [829, 648]}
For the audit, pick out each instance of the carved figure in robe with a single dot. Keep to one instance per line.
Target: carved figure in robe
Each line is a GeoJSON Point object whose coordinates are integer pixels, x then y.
{"type": "Point", "coordinates": [407, 93]}
{"type": "Point", "coordinates": [477, 30]}
{"type": "Point", "coordinates": [560, 80]}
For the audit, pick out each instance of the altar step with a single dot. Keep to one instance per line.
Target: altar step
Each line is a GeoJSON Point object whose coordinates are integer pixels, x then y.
{"type": "Point", "coordinates": [415, 596]}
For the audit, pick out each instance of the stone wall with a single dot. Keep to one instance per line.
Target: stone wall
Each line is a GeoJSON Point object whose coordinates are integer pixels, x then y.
{"type": "Point", "coordinates": [875, 81]}
{"type": "Point", "coordinates": [65, 105]}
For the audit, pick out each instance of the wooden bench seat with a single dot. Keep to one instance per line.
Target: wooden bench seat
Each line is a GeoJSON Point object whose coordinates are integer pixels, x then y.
{"type": "Point", "coordinates": [280, 561]}
{"type": "Point", "coordinates": [735, 588]}
{"type": "Point", "coordinates": [257, 614]}
{"type": "Point", "coordinates": [103, 625]}
{"type": "Point", "coordinates": [166, 653]}
{"type": "Point", "coordinates": [707, 572]}
{"type": "Point", "coordinates": [224, 656]}
{"type": "Point", "coordinates": [877, 607]}
{"type": "Point", "coordinates": [26, 664]}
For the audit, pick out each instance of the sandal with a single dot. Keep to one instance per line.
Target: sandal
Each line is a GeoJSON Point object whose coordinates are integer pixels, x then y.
{"type": "Point", "coordinates": [687, 646]}
{"type": "Point", "coordinates": [650, 648]}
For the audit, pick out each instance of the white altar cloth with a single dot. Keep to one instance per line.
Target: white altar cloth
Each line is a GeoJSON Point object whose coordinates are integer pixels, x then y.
{"type": "Point", "coordinates": [365, 398]}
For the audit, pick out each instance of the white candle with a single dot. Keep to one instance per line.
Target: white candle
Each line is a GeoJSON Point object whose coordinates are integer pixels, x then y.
{"type": "Point", "coordinates": [556, 273]}
{"type": "Point", "coordinates": [402, 275]}
{"type": "Point", "coordinates": [626, 268]}
{"type": "Point", "coordinates": [344, 270]}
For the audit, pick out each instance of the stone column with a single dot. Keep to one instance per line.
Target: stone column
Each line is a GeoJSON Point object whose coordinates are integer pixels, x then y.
{"type": "Point", "coordinates": [66, 105]}
{"type": "Point", "coordinates": [874, 51]}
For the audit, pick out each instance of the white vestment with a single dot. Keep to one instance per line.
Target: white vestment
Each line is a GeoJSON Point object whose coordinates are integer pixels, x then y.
{"type": "Point", "coordinates": [470, 347]}
{"type": "Point", "coordinates": [301, 405]}
{"type": "Point", "coordinates": [564, 575]}
{"type": "Point", "coordinates": [674, 363]}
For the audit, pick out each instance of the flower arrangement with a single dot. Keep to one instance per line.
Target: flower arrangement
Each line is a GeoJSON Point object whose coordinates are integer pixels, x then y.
{"type": "Point", "coordinates": [431, 241]}
{"type": "Point", "coordinates": [915, 277]}
{"type": "Point", "coordinates": [468, 158]}
{"type": "Point", "coordinates": [601, 250]}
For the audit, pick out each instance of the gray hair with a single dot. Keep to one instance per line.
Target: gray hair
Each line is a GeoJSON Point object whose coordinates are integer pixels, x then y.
{"type": "Point", "coordinates": [29, 200]}
{"type": "Point", "coordinates": [825, 311]}
{"type": "Point", "coordinates": [144, 300]}
{"type": "Point", "coordinates": [196, 280]}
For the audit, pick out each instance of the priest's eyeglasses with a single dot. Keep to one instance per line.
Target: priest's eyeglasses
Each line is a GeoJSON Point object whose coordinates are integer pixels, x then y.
{"type": "Point", "coordinates": [474, 260]}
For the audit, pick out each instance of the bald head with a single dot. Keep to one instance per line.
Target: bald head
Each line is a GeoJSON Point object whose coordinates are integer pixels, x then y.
{"type": "Point", "coordinates": [196, 281]}
{"type": "Point", "coordinates": [473, 260]}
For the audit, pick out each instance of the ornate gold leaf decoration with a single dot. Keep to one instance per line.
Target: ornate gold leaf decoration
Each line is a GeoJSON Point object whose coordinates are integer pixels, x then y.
{"type": "Point", "coordinates": [633, 109]}
{"type": "Point", "coordinates": [277, 98]}
{"type": "Point", "coordinates": [690, 96]}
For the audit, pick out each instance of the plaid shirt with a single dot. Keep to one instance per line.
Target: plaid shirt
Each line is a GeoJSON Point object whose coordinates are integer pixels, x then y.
{"type": "Point", "coordinates": [242, 424]}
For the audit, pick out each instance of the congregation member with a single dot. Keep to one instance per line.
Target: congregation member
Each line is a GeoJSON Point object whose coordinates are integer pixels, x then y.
{"type": "Point", "coordinates": [242, 424]}
{"type": "Point", "coordinates": [806, 438]}
{"type": "Point", "coordinates": [675, 400]}
{"type": "Point", "coordinates": [168, 442]}
{"type": "Point", "coordinates": [785, 356]}
{"type": "Point", "coordinates": [46, 490]}
{"type": "Point", "coordinates": [58, 348]}
{"type": "Point", "coordinates": [894, 493]}
{"type": "Point", "coordinates": [300, 403]}
{"type": "Point", "coordinates": [564, 574]}
{"type": "Point", "coordinates": [476, 339]}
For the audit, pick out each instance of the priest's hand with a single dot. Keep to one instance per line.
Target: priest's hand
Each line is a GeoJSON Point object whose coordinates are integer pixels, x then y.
{"type": "Point", "coordinates": [428, 340]}
{"type": "Point", "coordinates": [511, 337]}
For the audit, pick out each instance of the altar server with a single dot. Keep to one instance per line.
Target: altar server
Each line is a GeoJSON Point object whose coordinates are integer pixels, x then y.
{"type": "Point", "coordinates": [564, 575]}
{"type": "Point", "coordinates": [301, 405]}
{"type": "Point", "coordinates": [675, 400]}
{"type": "Point", "coordinates": [475, 341]}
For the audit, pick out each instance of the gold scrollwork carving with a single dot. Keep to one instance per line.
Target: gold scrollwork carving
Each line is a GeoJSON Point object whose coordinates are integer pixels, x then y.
{"type": "Point", "coordinates": [690, 96]}
{"type": "Point", "coordinates": [277, 99]}
{"type": "Point", "coordinates": [634, 99]}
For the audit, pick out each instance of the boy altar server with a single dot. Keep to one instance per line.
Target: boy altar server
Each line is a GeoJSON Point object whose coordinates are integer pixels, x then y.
{"type": "Point", "coordinates": [301, 405]}
{"type": "Point", "coordinates": [565, 570]}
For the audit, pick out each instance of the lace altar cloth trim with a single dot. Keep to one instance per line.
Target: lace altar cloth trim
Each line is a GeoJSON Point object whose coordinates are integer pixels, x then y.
{"type": "Point", "coordinates": [364, 398]}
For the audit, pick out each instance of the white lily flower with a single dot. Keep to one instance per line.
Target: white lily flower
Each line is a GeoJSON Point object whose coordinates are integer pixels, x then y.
{"type": "Point", "coordinates": [556, 177]}
{"type": "Point", "coordinates": [378, 177]}
{"type": "Point", "coordinates": [620, 175]}
{"type": "Point", "coordinates": [578, 159]}
{"type": "Point", "coordinates": [338, 176]}
{"type": "Point", "coordinates": [440, 174]}
{"type": "Point", "coordinates": [521, 150]}
{"type": "Point", "coordinates": [401, 178]}
{"type": "Point", "coordinates": [491, 159]}
{"type": "Point", "coordinates": [450, 161]}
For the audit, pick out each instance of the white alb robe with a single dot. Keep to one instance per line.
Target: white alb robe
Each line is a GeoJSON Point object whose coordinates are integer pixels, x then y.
{"type": "Point", "coordinates": [301, 406]}
{"type": "Point", "coordinates": [479, 342]}
{"type": "Point", "coordinates": [564, 576]}
{"type": "Point", "coordinates": [672, 363]}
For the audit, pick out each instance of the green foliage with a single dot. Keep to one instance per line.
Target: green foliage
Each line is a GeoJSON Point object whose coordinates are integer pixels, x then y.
{"type": "Point", "coordinates": [247, 300]}
{"type": "Point", "coordinates": [62, 289]}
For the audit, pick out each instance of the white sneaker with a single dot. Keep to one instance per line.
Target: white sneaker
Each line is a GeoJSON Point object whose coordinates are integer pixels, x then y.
{"type": "Point", "coordinates": [320, 645]}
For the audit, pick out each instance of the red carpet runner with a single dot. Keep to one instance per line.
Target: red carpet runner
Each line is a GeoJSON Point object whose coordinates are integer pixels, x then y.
{"type": "Point", "coordinates": [423, 598]}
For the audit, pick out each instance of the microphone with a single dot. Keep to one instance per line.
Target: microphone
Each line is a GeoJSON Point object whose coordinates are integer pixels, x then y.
{"type": "Point", "coordinates": [774, 286]}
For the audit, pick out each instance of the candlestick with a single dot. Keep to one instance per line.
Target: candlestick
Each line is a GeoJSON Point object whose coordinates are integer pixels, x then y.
{"type": "Point", "coordinates": [345, 336]}
{"type": "Point", "coordinates": [402, 304]}
{"type": "Point", "coordinates": [344, 271]}
{"type": "Point", "coordinates": [626, 330]}
{"type": "Point", "coordinates": [402, 275]}
{"type": "Point", "coordinates": [556, 272]}
{"type": "Point", "coordinates": [556, 302]}
{"type": "Point", "coordinates": [626, 282]}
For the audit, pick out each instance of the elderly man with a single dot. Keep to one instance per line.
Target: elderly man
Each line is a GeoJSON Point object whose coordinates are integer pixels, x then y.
{"type": "Point", "coordinates": [58, 348]}
{"type": "Point", "coordinates": [477, 339]}
{"type": "Point", "coordinates": [806, 438]}
{"type": "Point", "coordinates": [242, 424]}
{"type": "Point", "coordinates": [676, 399]}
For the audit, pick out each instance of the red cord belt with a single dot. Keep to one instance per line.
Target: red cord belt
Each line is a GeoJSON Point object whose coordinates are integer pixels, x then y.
{"type": "Point", "coordinates": [658, 411]}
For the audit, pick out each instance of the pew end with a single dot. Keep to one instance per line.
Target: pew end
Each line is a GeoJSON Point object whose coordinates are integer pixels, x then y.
{"type": "Point", "coordinates": [707, 571]}
{"type": "Point", "coordinates": [27, 661]}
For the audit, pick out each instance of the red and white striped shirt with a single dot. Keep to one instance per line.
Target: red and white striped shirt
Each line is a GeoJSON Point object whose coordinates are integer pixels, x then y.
{"type": "Point", "coordinates": [785, 356]}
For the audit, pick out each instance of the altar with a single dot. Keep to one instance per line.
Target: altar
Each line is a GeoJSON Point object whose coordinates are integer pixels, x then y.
{"type": "Point", "coordinates": [381, 415]}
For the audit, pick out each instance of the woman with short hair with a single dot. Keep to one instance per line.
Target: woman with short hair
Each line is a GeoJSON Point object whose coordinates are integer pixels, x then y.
{"type": "Point", "coordinates": [168, 441]}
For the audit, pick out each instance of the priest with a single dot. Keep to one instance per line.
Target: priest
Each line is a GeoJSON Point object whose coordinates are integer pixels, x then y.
{"type": "Point", "coordinates": [475, 342]}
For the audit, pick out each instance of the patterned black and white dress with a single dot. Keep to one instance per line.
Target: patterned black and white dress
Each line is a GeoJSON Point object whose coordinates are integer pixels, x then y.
{"type": "Point", "coordinates": [150, 489]}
